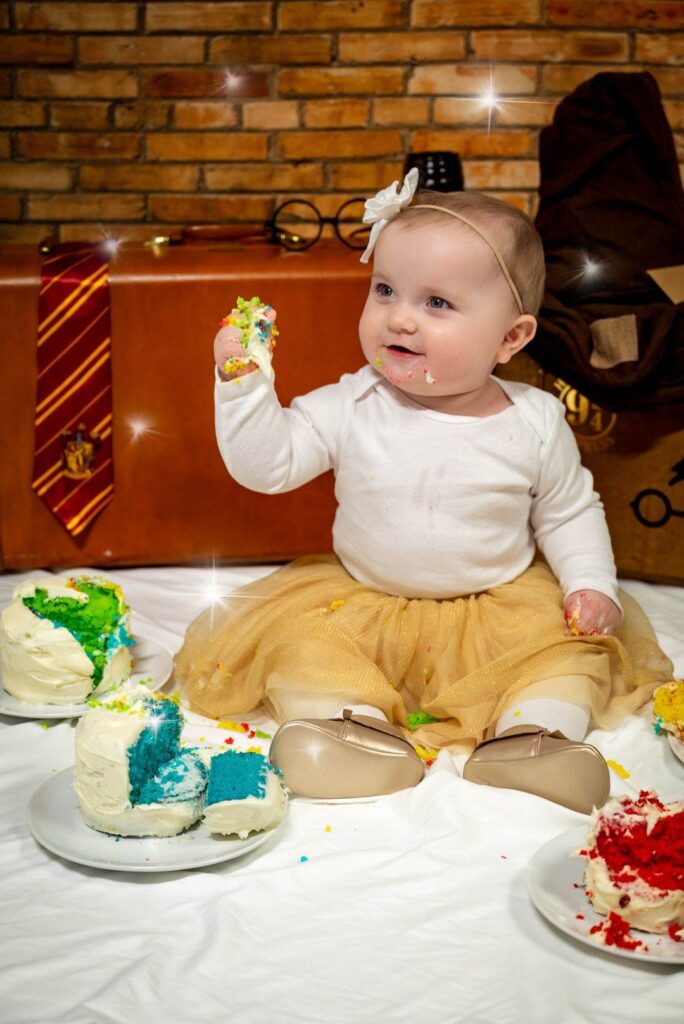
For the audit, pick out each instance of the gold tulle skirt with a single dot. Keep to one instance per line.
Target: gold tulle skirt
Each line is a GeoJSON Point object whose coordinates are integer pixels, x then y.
{"type": "Point", "coordinates": [310, 627]}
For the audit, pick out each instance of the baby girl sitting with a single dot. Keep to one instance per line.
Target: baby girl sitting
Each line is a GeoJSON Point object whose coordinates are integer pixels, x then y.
{"type": "Point", "coordinates": [435, 604]}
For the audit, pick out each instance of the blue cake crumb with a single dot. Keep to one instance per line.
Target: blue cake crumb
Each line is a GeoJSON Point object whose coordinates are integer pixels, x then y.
{"type": "Point", "coordinates": [234, 775]}
{"type": "Point", "coordinates": [157, 743]}
{"type": "Point", "coordinates": [183, 778]}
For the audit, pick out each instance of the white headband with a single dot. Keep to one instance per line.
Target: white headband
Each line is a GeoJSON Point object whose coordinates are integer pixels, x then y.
{"type": "Point", "coordinates": [387, 203]}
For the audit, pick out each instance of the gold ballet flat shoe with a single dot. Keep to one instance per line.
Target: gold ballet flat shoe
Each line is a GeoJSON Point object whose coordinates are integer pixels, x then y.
{"type": "Point", "coordinates": [347, 757]}
{"type": "Point", "coordinates": [543, 763]}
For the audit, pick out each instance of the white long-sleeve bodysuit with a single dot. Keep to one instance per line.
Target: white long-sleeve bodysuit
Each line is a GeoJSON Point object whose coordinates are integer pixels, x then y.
{"type": "Point", "coordinates": [429, 504]}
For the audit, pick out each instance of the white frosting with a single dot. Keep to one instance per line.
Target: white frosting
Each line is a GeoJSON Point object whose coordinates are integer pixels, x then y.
{"type": "Point", "coordinates": [253, 814]}
{"type": "Point", "coordinates": [648, 909]}
{"type": "Point", "coordinates": [45, 664]}
{"type": "Point", "coordinates": [256, 350]}
{"type": "Point", "coordinates": [101, 779]}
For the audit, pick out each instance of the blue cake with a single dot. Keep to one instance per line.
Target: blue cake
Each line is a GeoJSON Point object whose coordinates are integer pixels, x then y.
{"type": "Point", "coordinates": [133, 777]}
{"type": "Point", "coordinates": [244, 794]}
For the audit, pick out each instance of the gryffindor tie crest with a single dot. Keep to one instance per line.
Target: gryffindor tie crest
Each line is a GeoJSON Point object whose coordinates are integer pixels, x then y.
{"type": "Point", "coordinates": [79, 452]}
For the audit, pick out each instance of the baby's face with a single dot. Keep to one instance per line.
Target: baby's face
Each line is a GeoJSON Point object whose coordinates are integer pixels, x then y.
{"type": "Point", "coordinates": [438, 310]}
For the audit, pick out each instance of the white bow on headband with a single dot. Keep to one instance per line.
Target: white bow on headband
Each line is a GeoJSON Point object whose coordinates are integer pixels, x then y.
{"type": "Point", "coordinates": [385, 205]}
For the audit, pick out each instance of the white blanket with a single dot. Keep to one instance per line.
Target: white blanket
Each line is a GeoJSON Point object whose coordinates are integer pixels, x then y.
{"type": "Point", "coordinates": [412, 908]}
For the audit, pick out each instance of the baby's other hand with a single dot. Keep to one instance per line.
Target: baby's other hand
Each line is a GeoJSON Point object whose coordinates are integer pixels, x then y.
{"type": "Point", "coordinates": [591, 613]}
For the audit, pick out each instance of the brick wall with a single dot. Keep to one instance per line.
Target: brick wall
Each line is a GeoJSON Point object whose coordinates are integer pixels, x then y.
{"type": "Point", "coordinates": [140, 116]}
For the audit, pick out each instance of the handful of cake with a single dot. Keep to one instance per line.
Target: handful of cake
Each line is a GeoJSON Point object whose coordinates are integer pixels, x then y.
{"type": "Point", "coordinates": [64, 639]}
{"type": "Point", "coordinates": [254, 328]}
{"type": "Point", "coordinates": [635, 868]}
{"type": "Point", "coordinates": [133, 778]}
{"type": "Point", "coordinates": [668, 709]}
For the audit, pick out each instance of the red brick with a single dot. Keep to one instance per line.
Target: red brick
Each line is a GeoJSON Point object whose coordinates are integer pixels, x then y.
{"type": "Point", "coordinates": [216, 114]}
{"type": "Point", "coordinates": [76, 17]}
{"type": "Point", "coordinates": [549, 46]}
{"type": "Point", "coordinates": [508, 79]}
{"type": "Point", "coordinates": [4, 145]}
{"type": "Point", "coordinates": [622, 13]}
{"type": "Point", "coordinates": [81, 206]}
{"type": "Point", "coordinates": [669, 80]}
{"type": "Point", "coordinates": [26, 234]}
{"type": "Point", "coordinates": [4, 16]}
{"type": "Point", "coordinates": [404, 110]}
{"type": "Point", "coordinates": [271, 114]}
{"type": "Point", "coordinates": [434, 13]}
{"type": "Point", "coordinates": [487, 174]}
{"type": "Point", "coordinates": [400, 47]}
{"type": "Point", "coordinates": [476, 143]}
{"type": "Point", "coordinates": [15, 114]}
{"type": "Point", "coordinates": [211, 17]}
{"type": "Point", "coordinates": [303, 14]}
{"type": "Point", "coordinates": [271, 49]}
{"type": "Point", "coordinates": [79, 116]}
{"type": "Point", "coordinates": [5, 83]}
{"type": "Point", "coordinates": [212, 146]}
{"type": "Point", "coordinates": [203, 208]}
{"type": "Point", "coordinates": [139, 177]}
{"type": "Point", "coordinates": [266, 177]}
{"type": "Point", "coordinates": [299, 145]}
{"type": "Point", "coordinates": [141, 49]}
{"type": "Point", "coordinates": [87, 84]}
{"type": "Point", "coordinates": [336, 81]}
{"type": "Point", "coordinates": [564, 78]}
{"type": "Point", "coordinates": [660, 49]}
{"type": "Point", "coordinates": [78, 145]}
{"type": "Point", "coordinates": [356, 175]}
{"type": "Point", "coordinates": [142, 115]}
{"type": "Point", "coordinates": [347, 113]}
{"type": "Point", "coordinates": [327, 204]}
{"type": "Point", "coordinates": [44, 177]}
{"type": "Point", "coordinates": [674, 110]}
{"type": "Point", "coordinates": [462, 110]}
{"type": "Point", "coordinates": [36, 49]}
{"type": "Point", "coordinates": [519, 199]}
{"type": "Point", "coordinates": [10, 207]}
{"type": "Point", "coordinates": [207, 84]}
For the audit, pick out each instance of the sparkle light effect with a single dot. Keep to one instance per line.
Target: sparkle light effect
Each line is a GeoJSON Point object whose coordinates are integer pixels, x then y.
{"type": "Point", "coordinates": [492, 102]}
{"type": "Point", "coordinates": [139, 426]}
{"type": "Point", "coordinates": [591, 270]}
{"type": "Point", "coordinates": [110, 243]}
{"type": "Point", "coordinates": [212, 592]}
{"type": "Point", "coordinates": [231, 82]}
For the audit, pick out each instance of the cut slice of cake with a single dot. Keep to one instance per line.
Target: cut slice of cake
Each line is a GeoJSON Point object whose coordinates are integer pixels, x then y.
{"type": "Point", "coordinates": [244, 794]}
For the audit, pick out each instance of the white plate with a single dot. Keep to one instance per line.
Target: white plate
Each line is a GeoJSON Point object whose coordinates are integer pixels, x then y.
{"type": "Point", "coordinates": [676, 745]}
{"type": "Point", "coordinates": [150, 659]}
{"type": "Point", "coordinates": [55, 822]}
{"type": "Point", "coordinates": [552, 875]}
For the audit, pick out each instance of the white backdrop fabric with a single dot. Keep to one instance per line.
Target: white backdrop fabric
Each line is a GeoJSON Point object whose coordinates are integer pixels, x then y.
{"type": "Point", "coordinates": [411, 908]}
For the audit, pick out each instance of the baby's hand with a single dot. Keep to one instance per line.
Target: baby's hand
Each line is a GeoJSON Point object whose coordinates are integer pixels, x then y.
{"type": "Point", "coordinates": [227, 347]}
{"type": "Point", "coordinates": [232, 357]}
{"type": "Point", "coordinates": [591, 613]}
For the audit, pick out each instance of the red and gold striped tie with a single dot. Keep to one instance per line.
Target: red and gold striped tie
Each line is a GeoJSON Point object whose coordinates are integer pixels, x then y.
{"type": "Point", "coordinates": [72, 468]}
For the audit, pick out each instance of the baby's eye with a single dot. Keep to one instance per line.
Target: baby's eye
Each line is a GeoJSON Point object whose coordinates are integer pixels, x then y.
{"type": "Point", "coordinates": [436, 302]}
{"type": "Point", "coordinates": [383, 290]}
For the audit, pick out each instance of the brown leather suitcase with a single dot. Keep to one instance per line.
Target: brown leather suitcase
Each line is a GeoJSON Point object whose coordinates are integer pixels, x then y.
{"type": "Point", "coordinates": [174, 501]}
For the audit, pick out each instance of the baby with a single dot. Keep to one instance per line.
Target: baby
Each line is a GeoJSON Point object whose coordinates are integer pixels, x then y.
{"type": "Point", "coordinates": [435, 610]}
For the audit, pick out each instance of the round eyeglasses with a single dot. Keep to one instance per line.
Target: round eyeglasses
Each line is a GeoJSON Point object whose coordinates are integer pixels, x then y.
{"type": "Point", "coordinates": [297, 224]}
